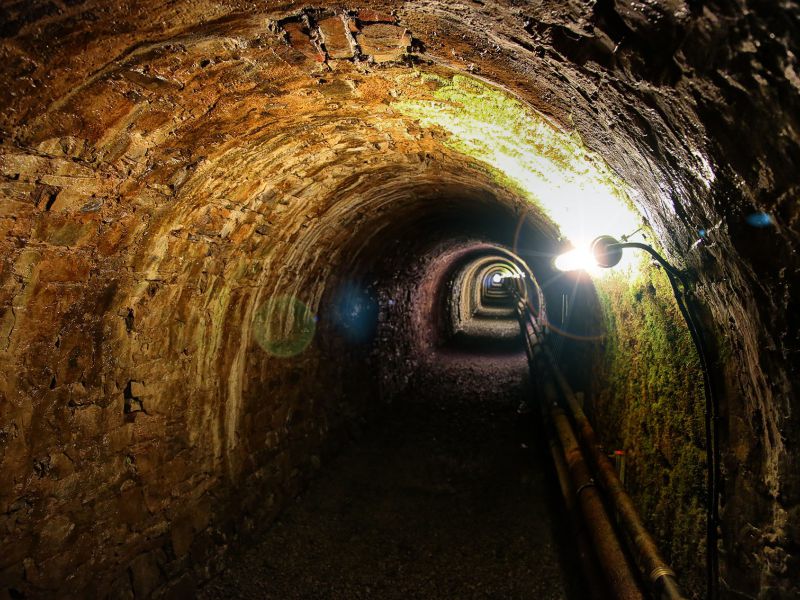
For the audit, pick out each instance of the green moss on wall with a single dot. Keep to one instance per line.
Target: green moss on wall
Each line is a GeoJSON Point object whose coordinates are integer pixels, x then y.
{"type": "Point", "coordinates": [550, 167]}
{"type": "Point", "coordinates": [649, 401]}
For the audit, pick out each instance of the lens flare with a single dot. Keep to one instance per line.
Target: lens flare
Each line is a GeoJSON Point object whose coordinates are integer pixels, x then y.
{"type": "Point", "coordinates": [283, 326]}
{"type": "Point", "coordinates": [760, 219]}
{"type": "Point", "coordinates": [577, 259]}
{"type": "Point", "coordinates": [355, 313]}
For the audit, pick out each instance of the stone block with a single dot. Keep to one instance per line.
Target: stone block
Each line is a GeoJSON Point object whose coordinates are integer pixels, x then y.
{"type": "Point", "coordinates": [121, 588]}
{"type": "Point", "coordinates": [69, 200]}
{"type": "Point", "coordinates": [62, 465]}
{"type": "Point", "coordinates": [13, 554]}
{"type": "Point", "coordinates": [65, 146]}
{"type": "Point", "coordinates": [138, 389]}
{"type": "Point", "coordinates": [66, 267]}
{"type": "Point", "coordinates": [383, 42]}
{"type": "Point", "coordinates": [369, 15]}
{"type": "Point", "coordinates": [202, 548]}
{"type": "Point", "coordinates": [16, 193]}
{"type": "Point", "coordinates": [24, 167]}
{"type": "Point", "coordinates": [17, 226]}
{"type": "Point", "coordinates": [147, 464]}
{"type": "Point", "coordinates": [120, 438]}
{"type": "Point", "coordinates": [87, 422]}
{"type": "Point", "coordinates": [300, 39]}
{"type": "Point", "coordinates": [66, 233]}
{"type": "Point", "coordinates": [184, 587]}
{"type": "Point", "coordinates": [181, 535]}
{"type": "Point", "coordinates": [54, 535]}
{"type": "Point", "coordinates": [201, 514]}
{"type": "Point", "coordinates": [66, 487]}
{"type": "Point", "coordinates": [335, 38]}
{"type": "Point", "coordinates": [131, 506]}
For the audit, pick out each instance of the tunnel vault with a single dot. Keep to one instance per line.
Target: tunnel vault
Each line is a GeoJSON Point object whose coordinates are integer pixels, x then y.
{"type": "Point", "coordinates": [169, 168]}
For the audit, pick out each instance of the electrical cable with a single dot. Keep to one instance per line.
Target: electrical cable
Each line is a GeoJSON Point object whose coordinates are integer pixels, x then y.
{"type": "Point", "coordinates": [712, 446]}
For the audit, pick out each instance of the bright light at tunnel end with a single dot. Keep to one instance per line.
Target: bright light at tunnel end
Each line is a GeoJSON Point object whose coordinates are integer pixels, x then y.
{"type": "Point", "coordinates": [498, 278]}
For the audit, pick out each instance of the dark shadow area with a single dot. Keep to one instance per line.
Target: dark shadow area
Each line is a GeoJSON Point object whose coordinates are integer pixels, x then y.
{"type": "Point", "coordinates": [443, 497]}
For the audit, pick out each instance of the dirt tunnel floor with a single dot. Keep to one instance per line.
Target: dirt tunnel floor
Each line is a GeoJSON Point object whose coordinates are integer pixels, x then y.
{"type": "Point", "coordinates": [436, 500]}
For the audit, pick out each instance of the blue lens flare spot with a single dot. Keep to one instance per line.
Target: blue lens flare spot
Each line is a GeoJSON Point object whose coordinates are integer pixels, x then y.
{"type": "Point", "coordinates": [355, 313]}
{"type": "Point", "coordinates": [760, 219]}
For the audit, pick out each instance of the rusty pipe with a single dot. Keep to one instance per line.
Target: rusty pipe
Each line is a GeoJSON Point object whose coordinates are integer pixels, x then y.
{"type": "Point", "coordinates": [595, 586]}
{"type": "Point", "coordinates": [611, 556]}
{"type": "Point", "coordinates": [659, 574]}
{"type": "Point", "coordinates": [609, 552]}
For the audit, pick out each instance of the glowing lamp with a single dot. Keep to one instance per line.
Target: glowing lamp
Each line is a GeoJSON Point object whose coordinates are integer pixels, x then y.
{"type": "Point", "coordinates": [605, 251]}
{"type": "Point", "coordinates": [577, 259]}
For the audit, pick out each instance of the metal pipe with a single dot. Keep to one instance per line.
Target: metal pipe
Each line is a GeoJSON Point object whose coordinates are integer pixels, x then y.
{"type": "Point", "coordinates": [615, 566]}
{"type": "Point", "coordinates": [659, 574]}
{"type": "Point", "coordinates": [610, 554]}
{"type": "Point", "coordinates": [594, 583]}
{"type": "Point", "coordinates": [595, 586]}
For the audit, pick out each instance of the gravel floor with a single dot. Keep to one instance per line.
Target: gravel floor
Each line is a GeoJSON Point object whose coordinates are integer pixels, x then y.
{"type": "Point", "coordinates": [439, 499]}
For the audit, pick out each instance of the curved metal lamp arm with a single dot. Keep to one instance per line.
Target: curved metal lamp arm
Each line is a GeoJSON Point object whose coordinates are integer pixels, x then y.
{"type": "Point", "coordinates": [660, 259]}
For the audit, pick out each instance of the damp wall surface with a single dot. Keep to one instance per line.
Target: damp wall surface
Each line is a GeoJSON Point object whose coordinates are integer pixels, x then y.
{"type": "Point", "coordinates": [648, 400]}
{"type": "Point", "coordinates": [168, 167]}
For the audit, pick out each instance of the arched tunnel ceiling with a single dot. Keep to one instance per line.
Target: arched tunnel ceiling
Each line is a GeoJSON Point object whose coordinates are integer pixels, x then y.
{"type": "Point", "coordinates": [179, 162]}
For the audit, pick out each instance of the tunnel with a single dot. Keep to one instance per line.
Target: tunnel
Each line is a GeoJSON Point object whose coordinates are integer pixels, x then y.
{"type": "Point", "coordinates": [299, 300]}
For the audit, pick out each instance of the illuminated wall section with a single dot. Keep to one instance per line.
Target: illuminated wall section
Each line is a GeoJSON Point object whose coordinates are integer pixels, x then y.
{"type": "Point", "coordinates": [550, 167]}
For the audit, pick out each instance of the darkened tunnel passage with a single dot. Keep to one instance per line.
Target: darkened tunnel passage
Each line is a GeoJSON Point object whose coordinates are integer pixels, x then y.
{"type": "Point", "coordinates": [439, 499]}
{"type": "Point", "coordinates": [447, 491]}
{"type": "Point", "coordinates": [300, 300]}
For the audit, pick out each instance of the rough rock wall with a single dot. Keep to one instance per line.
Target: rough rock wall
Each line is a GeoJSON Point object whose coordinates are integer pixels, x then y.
{"type": "Point", "coordinates": [141, 233]}
{"type": "Point", "coordinates": [149, 214]}
{"type": "Point", "coordinates": [695, 105]}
